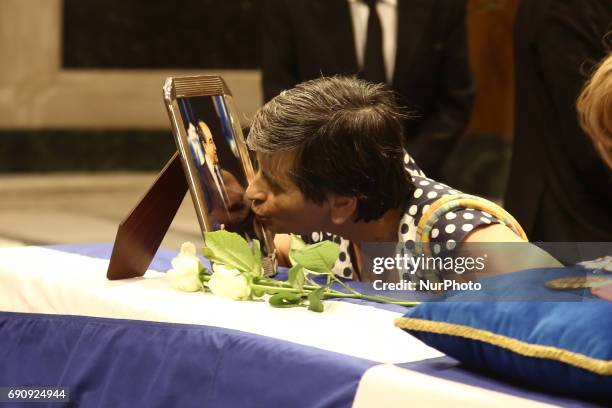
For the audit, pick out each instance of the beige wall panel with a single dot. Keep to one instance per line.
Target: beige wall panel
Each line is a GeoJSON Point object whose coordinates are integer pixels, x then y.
{"type": "Point", "coordinates": [36, 93]}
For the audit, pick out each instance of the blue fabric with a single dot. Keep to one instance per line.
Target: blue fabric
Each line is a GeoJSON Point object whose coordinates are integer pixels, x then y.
{"type": "Point", "coordinates": [111, 362]}
{"type": "Point", "coordinates": [583, 327]}
{"type": "Point", "coordinates": [527, 285]}
{"type": "Point", "coordinates": [450, 369]}
{"type": "Point", "coordinates": [160, 262]}
{"type": "Point", "coordinates": [125, 363]}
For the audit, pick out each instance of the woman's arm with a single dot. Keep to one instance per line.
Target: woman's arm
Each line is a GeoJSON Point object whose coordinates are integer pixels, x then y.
{"type": "Point", "coordinates": [506, 251]}
{"type": "Point", "coordinates": [282, 243]}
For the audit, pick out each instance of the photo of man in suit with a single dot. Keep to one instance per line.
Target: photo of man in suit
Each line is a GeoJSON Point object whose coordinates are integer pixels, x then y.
{"type": "Point", "coordinates": [226, 204]}
{"type": "Point", "coordinates": [417, 47]}
{"type": "Point", "coordinates": [212, 160]}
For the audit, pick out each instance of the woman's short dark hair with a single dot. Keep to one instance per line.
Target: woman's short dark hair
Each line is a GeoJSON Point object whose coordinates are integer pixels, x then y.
{"type": "Point", "coordinates": [346, 137]}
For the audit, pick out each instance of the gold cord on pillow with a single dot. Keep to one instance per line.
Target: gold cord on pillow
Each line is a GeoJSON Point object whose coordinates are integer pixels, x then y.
{"type": "Point", "coordinates": [601, 367]}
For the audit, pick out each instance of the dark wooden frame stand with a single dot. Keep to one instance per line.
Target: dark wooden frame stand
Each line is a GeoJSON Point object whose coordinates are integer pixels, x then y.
{"type": "Point", "coordinates": [140, 234]}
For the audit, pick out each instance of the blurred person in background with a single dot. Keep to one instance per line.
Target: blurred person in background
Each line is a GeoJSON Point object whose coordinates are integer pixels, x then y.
{"type": "Point", "coordinates": [595, 114]}
{"type": "Point", "coordinates": [595, 109]}
{"type": "Point", "coordinates": [418, 47]}
{"type": "Point", "coordinates": [559, 189]}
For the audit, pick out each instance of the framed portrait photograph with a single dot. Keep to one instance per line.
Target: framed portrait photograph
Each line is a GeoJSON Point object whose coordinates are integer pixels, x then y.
{"type": "Point", "coordinates": [214, 156]}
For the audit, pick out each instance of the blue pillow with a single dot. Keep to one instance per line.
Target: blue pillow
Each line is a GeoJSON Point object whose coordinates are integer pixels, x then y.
{"type": "Point", "coordinates": [564, 347]}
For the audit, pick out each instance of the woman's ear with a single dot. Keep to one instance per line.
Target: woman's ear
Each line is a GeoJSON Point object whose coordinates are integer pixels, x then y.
{"type": "Point", "coordinates": [341, 208]}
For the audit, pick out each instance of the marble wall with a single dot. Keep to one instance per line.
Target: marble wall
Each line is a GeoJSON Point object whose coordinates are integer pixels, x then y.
{"type": "Point", "coordinates": [82, 79]}
{"type": "Point", "coordinates": [38, 91]}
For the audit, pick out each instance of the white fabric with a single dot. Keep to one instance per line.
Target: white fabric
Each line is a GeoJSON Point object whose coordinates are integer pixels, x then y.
{"type": "Point", "coordinates": [390, 386]}
{"type": "Point", "coordinates": [40, 280]}
{"type": "Point", "coordinates": [387, 13]}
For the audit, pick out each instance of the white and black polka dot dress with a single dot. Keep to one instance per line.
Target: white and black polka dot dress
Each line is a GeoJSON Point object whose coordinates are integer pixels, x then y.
{"type": "Point", "coordinates": [449, 230]}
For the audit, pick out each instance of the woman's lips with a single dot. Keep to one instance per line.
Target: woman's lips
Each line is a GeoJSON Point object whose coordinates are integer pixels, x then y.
{"type": "Point", "coordinates": [261, 217]}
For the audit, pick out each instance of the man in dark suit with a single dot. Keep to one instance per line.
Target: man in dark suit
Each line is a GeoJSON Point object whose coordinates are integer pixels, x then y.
{"type": "Point", "coordinates": [559, 190]}
{"type": "Point", "coordinates": [423, 54]}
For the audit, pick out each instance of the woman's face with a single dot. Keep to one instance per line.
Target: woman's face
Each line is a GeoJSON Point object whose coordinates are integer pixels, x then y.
{"type": "Point", "coordinates": [278, 203]}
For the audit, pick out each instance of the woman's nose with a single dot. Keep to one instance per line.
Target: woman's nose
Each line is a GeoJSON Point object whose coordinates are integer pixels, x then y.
{"type": "Point", "coordinates": [255, 193]}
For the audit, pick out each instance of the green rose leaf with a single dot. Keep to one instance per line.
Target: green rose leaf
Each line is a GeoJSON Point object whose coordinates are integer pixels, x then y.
{"type": "Point", "coordinates": [229, 249]}
{"type": "Point", "coordinates": [258, 293]}
{"type": "Point", "coordinates": [314, 300]}
{"type": "Point", "coordinates": [285, 299]}
{"type": "Point", "coordinates": [296, 277]}
{"type": "Point", "coordinates": [319, 257]}
{"type": "Point", "coordinates": [296, 243]}
{"type": "Point", "coordinates": [256, 249]}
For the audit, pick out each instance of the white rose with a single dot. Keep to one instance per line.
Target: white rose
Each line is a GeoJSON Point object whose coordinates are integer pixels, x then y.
{"type": "Point", "coordinates": [187, 249]}
{"type": "Point", "coordinates": [229, 283]}
{"type": "Point", "coordinates": [185, 271]}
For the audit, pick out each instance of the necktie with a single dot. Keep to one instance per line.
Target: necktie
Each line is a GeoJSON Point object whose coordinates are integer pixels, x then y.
{"type": "Point", "coordinates": [373, 62]}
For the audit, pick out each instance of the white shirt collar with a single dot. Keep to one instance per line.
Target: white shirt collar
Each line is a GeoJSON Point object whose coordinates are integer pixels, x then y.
{"type": "Point", "coordinates": [388, 2]}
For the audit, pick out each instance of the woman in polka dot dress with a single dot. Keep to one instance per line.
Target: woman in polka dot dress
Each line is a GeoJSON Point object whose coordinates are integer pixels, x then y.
{"type": "Point", "coordinates": [332, 167]}
{"type": "Point", "coordinates": [450, 229]}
